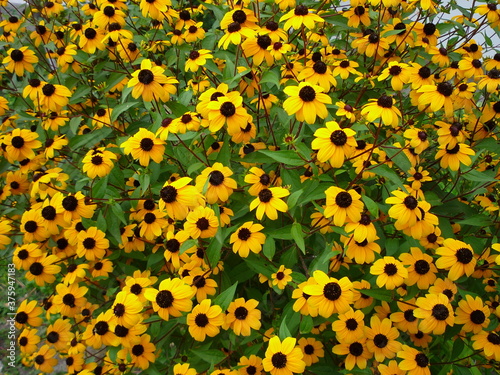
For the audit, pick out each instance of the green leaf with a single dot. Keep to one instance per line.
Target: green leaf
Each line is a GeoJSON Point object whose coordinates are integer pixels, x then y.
{"type": "Point", "coordinates": [306, 324]}
{"type": "Point", "coordinates": [286, 157]}
{"type": "Point", "coordinates": [371, 205]}
{"type": "Point", "coordinates": [379, 294]}
{"type": "Point", "coordinates": [211, 356]}
{"type": "Point", "coordinates": [120, 108]}
{"type": "Point", "coordinates": [177, 108]}
{"type": "Point", "coordinates": [226, 297]}
{"type": "Point", "coordinates": [476, 221]}
{"type": "Point", "coordinates": [391, 176]}
{"type": "Point", "coordinates": [258, 265]}
{"type": "Point", "coordinates": [283, 233]}
{"type": "Point", "coordinates": [293, 198]}
{"type": "Point", "coordinates": [485, 176]}
{"type": "Point", "coordinates": [272, 77]}
{"type": "Point", "coordinates": [89, 140]}
{"type": "Point", "coordinates": [118, 213]}
{"type": "Point", "coordinates": [392, 246]}
{"type": "Point", "coordinates": [298, 236]}
{"type": "Point", "coordinates": [458, 347]}
{"type": "Point", "coordinates": [101, 222]}
{"type": "Point", "coordinates": [187, 245]}
{"type": "Point", "coordinates": [214, 248]}
{"type": "Point", "coordinates": [269, 248]}
{"type": "Point", "coordinates": [284, 332]}
{"type": "Point", "coordinates": [99, 189]}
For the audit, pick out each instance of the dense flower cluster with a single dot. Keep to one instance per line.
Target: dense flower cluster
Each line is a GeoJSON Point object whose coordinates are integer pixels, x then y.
{"type": "Point", "coordinates": [249, 187]}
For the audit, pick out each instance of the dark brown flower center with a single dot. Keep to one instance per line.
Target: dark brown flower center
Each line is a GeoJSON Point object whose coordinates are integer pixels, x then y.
{"type": "Point", "coordinates": [216, 178]}
{"type": "Point", "coordinates": [422, 360]}
{"type": "Point", "coordinates": [301, 10]}
{"type": "Point", "coordinates": [119, 310]}
{"type": "Point", "coordinates": [69, 300]}
{"type": "Point", "coordinates": [17, 55]}
{"type": "Point", "coordinates": [410, 202]}
{"type": "Point", "coordinates": [464, 255]}
{"type": "Point", "coordinates": [390, 269]}
{"type": "Point", "coordinates": [145, 76]}
{"type": "Point", "coordinates": [351, 324]}
{"type": "Point", "coordinates": [338, 138]}
{"type": "Point", "coordinates": [380, 340]}
{"type": "Point", "coordinates": [48, 89]}
{"type": "Point", "coordinates": [265, 195]}
{"type": "Point", "coordinates": [494, 338]}
{"type": "Point", "coordinates": [89, 243]}
{"type": "Point", "coordinates": [477, 317]}
{"type": "Point", "coordinates": [201, 320]}
{"type": "Point", "coordinates": [168, 194]}
{"type": "Point", "coordinates": [343, 199]}
{"type": "Point", "coordinates": [241, 313]}
{"type": "Point", "coordinates": [356, 349]}
{"type": "Point", "coordinates": [239, 16]}
{"type": "Point", "coordinates": [422, 267]}
{"type": "Point", "coordinates": [445, 88]}
{"type": "Point", "coordinates": [36, 269]}
{"type": "Point", "coordinates": [279, 360]}
{"type": "Point", "coordinates": [244, 234]}
{"type": "Point", "coordinates": [227, 109]}
{"type": "Point", "coordinates": [173, 245]}
{"type": "Point", "coordinates": [385, 101]}
{"type": "Point", "coordinates": [49, 213]}
{"type": "Point", "coordinates": [332, 291]}
{"type": "Point", "coordinates": [307, 94]}
{"type": "Point", "coordinates": [202, 224]}
{"type": "Point", "coordinates": [109, 11]}
{"type": "Point", "coordinates": [440, 312]}
{"type": "Point", "coordinates": [264, 41]}
{"type": "Point", "coordinates": [395, 70]}
{"type": "Point", "coordinates": [101, 328]}
{"type": "Point", "coordinates": [164, 299]}
{"type": "Point", "coordinates": [409, 317]}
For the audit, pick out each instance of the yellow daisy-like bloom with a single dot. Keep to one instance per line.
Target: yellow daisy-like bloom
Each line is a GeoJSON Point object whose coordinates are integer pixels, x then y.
{"type": "Point", "coordinates": [330, 295]}
{"type": "Point", "coordinates": [406, 209]}
{"type": "Point", "coordinates": [154, 9]}
{"type": "Point", "coordinates": [334, 143]}
{"type": "Point", "coordinates": [414, 362]}
{"type": "Point", "coordinates": [92, 244]}
{"type": "Point", "coordinates": [19, 60]}
{"type": "Point", "coordinates": [342, 204]}
{"type": "Point", "coordinates": [178, 197]}
{"type": "Point", "coordinates": [269, 202]}
{"type": "Point", "coordinates": [421, 270]}
{"type": "Point", "coordinates": [283, 358]}
{"type": "Point", "coordinates": [126, 310]}
{"type": "Point", "coordinates": [382, 339]}
{"type": "Point", "coordinates": [251, 365]}
{"type": "Point", "coordinates": [28, 341]}
{"type": "Point", "coordinates": [184, 369]}
{"type": "Point", "coordinates": [217, 183]}
{"type": "Point", "coordinates": [259, 179]}
{"type": "Point", "coordinates": [98, 162]}
{"type": "Point", "coordinates": [306, 101]}
{"type": "Point", "coordinates": [457, 257]}
{"type": "Point", "coordinates": [357, 353]}
{"type": "Point", "coordinates": [281, 277]}
{"type": "Point", "coordinates": [248, 238]}
{"type": "Point", "coordinates": [436, 313]}
{"type": "Point", "coordinates": [243, 316]}
{"type": "Point", "coordinates": [391, 272]}
{"type": "Point", "coordinates": [204, 320]}
{"type": "Point", "coordinates": [489, 342]}
{"type": "Point", "coordinates": [350, 326]}
{"type": "Point", "coordinates": [144, 146]}
{"type": "Point", "coordinates": [20, 144]}
{"type": "Point", "coordinates": [226, 109]}
{"type": "Point", "coordinates": [171, 299]}
{"type": "Point", "coordinates": [43, 269]}
{"type": "Point", "coordinates": [142, 352]}
{"type": "Point", "coordinates": [437, 97]}
{"type": "Point", "coordinates": [196, 59]}
{"type": "Point", "coordinates": [452, 157]}
{"type": "Point", "coordinates": [201, 223]}
{"type": "Point", "coordinates": [383, 109]}
{"type": "Point", "coordinates": [301, 305]}
{"type": "Point", "coordinates": [299, 16]}
{"type": "Point", "coordinates": [44, 359]}
{"type": "Point", "coordinates": [473, 314]}
{"type": "Point", "coordinates": [69, 299]}
{"type": "Point", "coordinates": [53, 98]}
{"type": "Point", "coordinates": [148, 81]}
{"type": "Point", "coordinates": [399, 73]}
{"type": "Point", "coordinates": [28, 314]}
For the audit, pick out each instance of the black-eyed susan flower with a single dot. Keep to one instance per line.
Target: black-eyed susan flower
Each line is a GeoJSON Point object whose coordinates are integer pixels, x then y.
{"type": "Point", "coordinates": [489, 342]}
{"type": "Point", "coordinates": [214, 182]}
{"type": "Point", "coordinates": [391, 272]}
{"type": "Point", "coordinates": [453, 157]}
{"type": "Point", "coordinates": [91, 39]}
{"type": "Point", "coordinates": [44, 359]}
{"type": "Point", "coordinates": [28, 314]}
{"type": "Point", "coordinates": [59, 334]}
{"type": "Point", "coordinates": [201, 223]}
{"type": "Point", "coordinates": [92, 244]}
{"type": "Point", "coordinates": [357, 353]}
{"type": "Point", "coordinates": [24, 255]}
{"type": "Point", "coordinates": [172, 298]}
{"type": "Point", "coordinates": [435, 312]}
{"type": "Point", "coordinates": [306, 101]}
{"type": "Point", "coordinates": [382, 339]}
{"type": "Point", "coordinates": [405, 320]}
{"type": "Point", "coordinates": [269, 202]}
{"type": "Point", "coordinates": [204, 320]}
{"type": "Point", "coordinates": [473, 314]}
{"type": "Point", "coordinates": [301, 305]}
{"type": "Point", "coordinates": [259, 179]}
{"type": "Point", "coordinates": [343, 205]}
{"type": "Point", "coordinates": [257, 48]}
{"type": "Point", "coordinates": [382, 108]}
{"type": "Point", "coordinates": [101, 332]}
{"type": "Point", "coordinates": [43, 269]}
{"type": "Point", "coordinates": [234, 34]}
{"type": "Point", "coordinates": [28, 341]}
{"type": "Point", "coordinates": [98, 162]}
{"type": "Point", "coordinates": [196, 59]}
{"type": "Point", "coordinates": [243, 316]}
{"type": "Point", "coordinates": [283, 358]}
{"type": "Point", "coordinates": [251, 365]}
{"type": "Point", "coordinates": [344, 68]}
{"type": "Point", "coordinates": [349, 327]}
{"type": "Point", "coordinates": [184, 369]}
{"type": "Point", "coordinates": [126, 310]}
{"type": "Point", "coordinates": [201, 283]}
{"type": "Point", "coordinates": [457, 257]}
{"type": "Point", "coordinates": [69, 299]}
{"type": "Point", "coordinates": [227, 109]}
{"type": "Point", "coordinates": [19, 60]}
{"type": "Point", "coordinates": [150, 83]}
{"type": "Point", "coordinates": [334, 144]}
{"type": "Point", "coordinates": [53, 98]}
{"type": "Point", "coordinates": [154, 9]}
{"type": "Point", "coordinates": [421, 268]}
{"type": "Point", "coordinates": [312, 349]}
{"type": "Point", "coordinates": [360, 251]}
{"type": "Point", "coordinates": [414, 362]}
{"type": "Point", "coordinates": [281, 277]}
{"type": "Point", "coordinates": [144, 146]}
{"type": "Point", "coordinates": [178, 197]}
{"type": "Point", "coordinates": [20, 144]}
{"type": "Point", "coordinates": [406, 209]}
{"type": "Point", "coordinates": [301, 16]}
{"type": "Point", "coordinates": [330, 295]}
{"type": "Point", "coordinates": [399, 74]}
{"type": "Point", "coordinates": [246, 238]}
{"type": "Point", "coordinates": [172, 245]}
{"type": "Point", "coordinates": [152, 224]}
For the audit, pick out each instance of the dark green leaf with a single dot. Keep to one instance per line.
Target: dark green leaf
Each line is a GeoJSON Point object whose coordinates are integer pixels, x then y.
{"type": "Point", "coordinates": [211, 356]}
{"type": "Point", "coordinates": [298, 236]}
{"type": "Point", "coordinates": [379, 294]}
{"type": "Point", "coordinates": [226, 297]}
